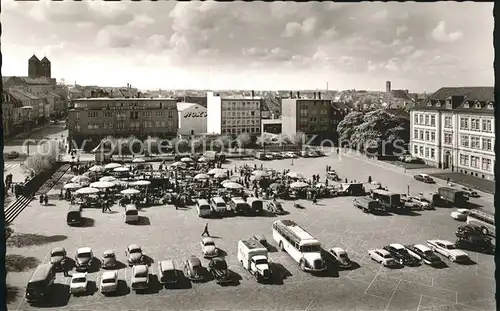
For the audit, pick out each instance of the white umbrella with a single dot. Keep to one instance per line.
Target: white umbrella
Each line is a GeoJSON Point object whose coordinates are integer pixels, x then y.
{"type": "Point", "coordinates": [175, 164]}
{"type": "Point", "coordinates": [96, 168]}
{"type": "Point", "coordinates": [140, 183]}
{"type": "Point", "coordinates": [298, 184]}
{"type": "Point", "coordinates": [202, 159]}
{"type": "Point", "coordinates": [261, 173]}
{"type": "Point", "coordinates": [201, 176]}
{"type": "Point", "coordinates": [138, 160]}
{"type": "Point", "coordinates": [72, 186]}
{"type": "Point", "coordinates": [216, 171]}
{"type": "Point", "coordinates": [107, 178]}
{"type": "Point", "coordinates": [87, 190]}
{"type": "Point", "coordinates": [111, 166]}
{"type": "Point", "coordinates": [89, 174]}
{"type": "Point", "coordinates": [102, 184]}
{"type": "Point", "coordinates": [80, 179]}
{"type": "Point", "coordinates": [295, 175]}
{"type": "Point", "coordinates": [320, 185]}
{"type": "Point", "coordinates": [221, 175]}
{"type": "Point", "coordinates": [186, 159]}
{"type": "Point", "coordinates": [130, 191]}
{"type": "Point", "coordinates": [232, 185]}
{"type": "Point", "coordinates": [122, 169]}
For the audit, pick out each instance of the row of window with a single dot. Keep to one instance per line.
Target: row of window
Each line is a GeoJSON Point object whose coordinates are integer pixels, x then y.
{"type": "Point", "coordinates": [424, 119]}
{"type": "Point", "coordinates": [240, 106]}
{"type": "Point", "coordinates": [110, 125]}
{"type": "Point", "coordinates": [130, 105]}
{"type": "Point", "coordinates": [424, 135]}
{"type": "Point", "coordinates": [475, 161]}
{"type": "Point", "coordinates": [475, 142]}
{"type": "Point", "coordinates": [240, 122]}
{"type": "Point", "coordinates": [133, 114]}
{"type": "Point", "coordinates": [424, 152]}
{"type": "Point", "coordinates": [304, 112]}
{"type": "Point", "coordinates": [227, 114]}
{"type": "Point", "coordinates": [474, 124]}
{"type": "Point", "coordinates": [240, 130]}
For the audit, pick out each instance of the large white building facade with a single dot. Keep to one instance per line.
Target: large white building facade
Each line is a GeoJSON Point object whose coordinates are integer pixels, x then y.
{"type": "Point", "coordinates": [455, 130]}
{"type": "Point", "coordinates": [192, 119]}
{"type": "Point", "coordinates": [233, 115]}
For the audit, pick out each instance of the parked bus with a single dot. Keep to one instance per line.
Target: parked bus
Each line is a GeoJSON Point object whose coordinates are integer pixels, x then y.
{"type": "Point", "coordinates": [299, 244]}
{"type": "Point", "coordinates": [388, 200]}
{"type": "Point", "coordinates": [483, 220]}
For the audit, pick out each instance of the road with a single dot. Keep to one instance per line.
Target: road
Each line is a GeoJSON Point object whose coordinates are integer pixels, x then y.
{"type": "Point", "coordinates": [50, 132]}
{"type": "Point", "coordinates": [166, 233]}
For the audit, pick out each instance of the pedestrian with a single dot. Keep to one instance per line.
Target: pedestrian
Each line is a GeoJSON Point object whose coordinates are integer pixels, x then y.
{"type": "Point", "coordinates": [205, 230]}
{"type": "Point", "coordinates": [46, 199]}
{"type": "Point", "coordinates": [315, 200]}
{"type": "Point", "coordinates": [346, 180]}
{"type": "Point", "coordinates": [41, 198]}
{"type": "Point", "coordinates": [369, 179]}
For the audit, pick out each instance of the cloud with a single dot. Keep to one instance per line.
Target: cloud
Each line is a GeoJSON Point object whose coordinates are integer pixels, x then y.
{"type": "Point", "coordinates": [401, 30]}
{"type": "Point", "coordinates": [114, 37]}
{"type": "Point", "coordinates": [383, 14]}
{"type": "Point", "coordinates": [141, 21]}
{"type": "Point", "coordinates": [405, 50]}
{"type": "Point", "coordinates": [439, 33]}
{"type": "Point", "coordinates": [294, 29]}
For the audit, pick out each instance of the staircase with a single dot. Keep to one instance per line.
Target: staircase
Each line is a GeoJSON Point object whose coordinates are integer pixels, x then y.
{"type": "Point", "coordinates": [52, 181]}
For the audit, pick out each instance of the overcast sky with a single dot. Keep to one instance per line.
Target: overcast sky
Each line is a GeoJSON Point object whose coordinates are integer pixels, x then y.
{"type": "Point", "coordinates": [420, 47]}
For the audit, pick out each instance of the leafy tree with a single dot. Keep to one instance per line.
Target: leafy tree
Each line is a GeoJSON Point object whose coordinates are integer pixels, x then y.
{"type": "Point", "coordinates": [226, 140]}
{"type": "Point", "coordinates": [346, 127]}
{"type": "Point", "coordinates": [38, 163]}
{"type": "Point", "coordinates": [299, 139]}
{"type": "Point", "coordinates": [244, 140]}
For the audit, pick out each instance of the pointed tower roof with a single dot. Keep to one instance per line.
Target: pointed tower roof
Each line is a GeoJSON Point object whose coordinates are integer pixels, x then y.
{"type": "Point", "coordinates": [45, 60]}
{"type": "Point", "coordinates": [34, 58]}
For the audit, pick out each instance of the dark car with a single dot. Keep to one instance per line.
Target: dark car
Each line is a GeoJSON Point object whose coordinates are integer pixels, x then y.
{"type": "Point", "coordinates": [218, 268]}
{"type": "Point", "coordinates": [193, 269]}
{"type": "Point", "coordinates": [424, 178]}
{"type": "Point", "coordinates": [275, 208]}
{"type": "Point", "coordinates": [424, 253]}
{"type": "Point", "coordinates": [58, 257]}
{"type": "Point", "coordinates": [401, 255]}
{"type": "Point", "coordinates": [109, 259]}
{"type": "Point", "coordinates": [471, 237]}
{"type": "Point", "coordinates": [13, 155]}
{"type": "Point", "coordinates": [83, 258]}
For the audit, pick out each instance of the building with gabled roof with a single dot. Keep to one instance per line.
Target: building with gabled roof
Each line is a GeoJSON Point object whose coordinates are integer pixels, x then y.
{"type": "Point", "coordinates": [454, 129]}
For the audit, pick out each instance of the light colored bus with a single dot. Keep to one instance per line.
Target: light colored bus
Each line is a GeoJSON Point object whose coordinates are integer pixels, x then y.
{"type": "Point", "coordinates": [299, 244]}
{"type": "Point", "coordinates": [483, 220]}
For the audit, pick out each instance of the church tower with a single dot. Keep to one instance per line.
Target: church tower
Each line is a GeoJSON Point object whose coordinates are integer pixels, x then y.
{"type": "Point", "coordinates": [34, 67]}
{"type": "Point", "coordinates": [45, 67]}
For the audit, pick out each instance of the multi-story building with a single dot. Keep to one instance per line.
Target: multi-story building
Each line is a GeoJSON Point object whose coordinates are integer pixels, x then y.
{"type": "Point", "coordinates": [311, 116]}
{"type": "Point", "coordinates": [15, 118]}
{"type": "Point", "coordinates": [454, 129]}
{"type": "Point", "coordinates": [192, 119]}
{"type": "Point", "coordinates": [92, 119]}
{"type": "Point", "coordinates": [233, 115]}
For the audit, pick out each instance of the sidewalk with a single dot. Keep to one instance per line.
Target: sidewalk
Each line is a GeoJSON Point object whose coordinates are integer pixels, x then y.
{"type": "Point", "coordinates": [469, 181]}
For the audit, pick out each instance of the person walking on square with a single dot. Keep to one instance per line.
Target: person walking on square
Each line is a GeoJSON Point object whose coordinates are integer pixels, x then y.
{"type": "Point", "coordinates": [46, 200]}
{"type": "Point", "coordinates": [205, 230]}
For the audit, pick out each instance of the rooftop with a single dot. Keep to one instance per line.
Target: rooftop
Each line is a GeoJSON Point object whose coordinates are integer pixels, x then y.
{"type": "Point", "coordinates": [123, 99]}
{"type": "Point", "coordinates": [465, 99]}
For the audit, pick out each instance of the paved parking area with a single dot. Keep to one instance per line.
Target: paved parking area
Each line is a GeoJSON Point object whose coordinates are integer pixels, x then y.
{"type": "Point", "coordinates": [167, 233]}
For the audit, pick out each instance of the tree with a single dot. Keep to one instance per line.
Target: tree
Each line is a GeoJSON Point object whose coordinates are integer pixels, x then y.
{"type": "Point", "coordinates": [244, 140]}
{"type": "Point", "coordinates": [38, 163]}
{"type": "Point", "coordinates": [346, 127]}
{"type": "Point", "coordinates": [299, 139]}
{"type": "Point", "coordinates": [226, 140]}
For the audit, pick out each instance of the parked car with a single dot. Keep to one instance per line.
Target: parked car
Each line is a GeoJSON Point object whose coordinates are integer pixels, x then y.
{"type": "Point", "coordinates": [109, 282]}
{"type": "Point", "coordinates": [268, 156]}
{"type": "Point", "coordinates": [83, 258]}
{"type": "Point", "coordinates": [339, 257]}
{"type": "Point", "coordinates": [470, 237]}
{"type": "Point", "coordinates": [218, 268]}
{"type": "Point", "coordinates": [448, 249]}
{"type": "Point", "coordinates": [58, 257]}
{"type": "Point", "coordinates": [400, 253]}
{"type": "Point", "coordinates": [425, 254]}
{"type": "Point", "coordinates": [291, 155]}
{"type": "Point", "coordinates": [134, 255]}
{"type": "Point", "coordinates": [275, 208]}
{"type": "Point", "coordinates": [109, 259]}
{"type": "Point", "coordinates": [422, 202]}
{"type": "Point", "coordinates": [277, 155]}
{"type": "Point", "coordinates": [470, 192]}
{"type": "Point", "coordinates": [424, 178]}
{"type": "Point", "coordinates": [208, 248]}
{"type": "Point", "coordinates": [140, 277]}
{"type": "Point", "coordinates": [382, 256]}
{"type": "Point", "coordinates": [13, 155]}
{"type": "Point", "coordinates": [79, 283]}
{"type": "Point", "coordinates": [458, 216]}
{"type": "Point", "coordinates": [193, 269]}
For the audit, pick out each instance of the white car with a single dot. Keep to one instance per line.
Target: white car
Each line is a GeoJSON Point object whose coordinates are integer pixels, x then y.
{"type": "Point", "coordinates": [423, 203]}
{"type": "Point", "coordinates": [208, 248]}
{"type": "Point", "coordinates": [447, 249]}
{"type": "Point", "coordinates": [382, 256]}
{"type": "Point", "coordinates": [458, 216]}
{"type": "Point", "coordinates": [109, 282]}
{"type": "Point", "coordinates": [291, 155]}
{"type": "Point", "coordinates": [79, 283]}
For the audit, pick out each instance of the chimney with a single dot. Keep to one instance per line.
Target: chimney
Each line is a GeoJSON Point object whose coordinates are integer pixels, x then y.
{"type": "Point", "coordinates": [291, 94]}
{"type": "Point", "coordinates": [314, 95]}
{"type": "Point", "coordinates": [298, 94]}
{"type": "Point", "coordinates": [319, 95]}
{"type": "Point", "coordinates": [138, 94]}
{"type": "Point", "coordinates": [253, 94]}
